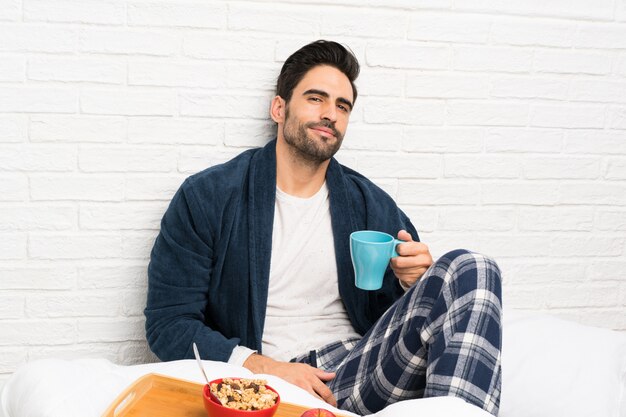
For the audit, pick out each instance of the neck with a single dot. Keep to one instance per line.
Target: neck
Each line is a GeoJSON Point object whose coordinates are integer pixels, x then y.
{"type": "Point", "coordinates": [295, 175]}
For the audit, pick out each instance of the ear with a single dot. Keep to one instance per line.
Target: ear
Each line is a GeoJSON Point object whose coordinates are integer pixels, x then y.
{"type": "Point", "coordinates": [277, 109]}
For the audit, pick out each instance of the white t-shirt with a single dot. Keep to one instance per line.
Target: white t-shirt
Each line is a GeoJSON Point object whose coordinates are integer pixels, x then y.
{"type": "Point", "coordinates": [304, 309]}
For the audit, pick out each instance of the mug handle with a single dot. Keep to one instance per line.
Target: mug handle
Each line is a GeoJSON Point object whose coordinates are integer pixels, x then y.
{"type": "Point", "coordinates": [396, 242]}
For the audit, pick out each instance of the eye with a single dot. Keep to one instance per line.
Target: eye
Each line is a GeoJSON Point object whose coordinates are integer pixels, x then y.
{"type": "Point", "coordinates": [343, 108]}
{"type": "Point", "coordinates": [316, 99]}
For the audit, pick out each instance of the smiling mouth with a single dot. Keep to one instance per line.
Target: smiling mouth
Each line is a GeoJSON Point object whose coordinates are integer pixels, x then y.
{"type": "Point", "coordinates": [324, 131]}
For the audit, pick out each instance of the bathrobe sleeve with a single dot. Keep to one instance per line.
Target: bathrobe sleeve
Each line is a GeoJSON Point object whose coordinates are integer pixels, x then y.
{"type": "Point", "coordinates": [181, 265]}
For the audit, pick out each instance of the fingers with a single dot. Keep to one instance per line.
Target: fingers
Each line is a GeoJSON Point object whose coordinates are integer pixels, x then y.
{"type": "Point", "coordinates": [313, 383]}
{"type": "Point", "coordinates": [409, 262]}
{"type": "Point", "coordinates": [411, 248]}
{"type": "Point", "coordinates": [404, 235]}
{"type": "Point", "coordinates": [307, 377]}
{"type": "Point", "coordinates": [412, 271]}
{"type": "Point", "coordinates": [321, 389]}
{"type": "Point", "coordinates": [323, 375]}
{"type": "Point", "coordinates": [324, 393]}
{"type": "Point", "coordinates": [413, 262]}
{"type": "Point", "coordinates": [412, 276]}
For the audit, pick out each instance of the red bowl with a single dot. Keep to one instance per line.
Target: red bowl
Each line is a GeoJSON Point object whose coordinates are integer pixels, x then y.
{"type": "Point", "coordinates": [216, 409]}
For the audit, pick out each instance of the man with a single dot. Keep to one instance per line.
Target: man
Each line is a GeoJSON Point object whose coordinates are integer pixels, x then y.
{"type": "Point", "coordinates": [252, 264]}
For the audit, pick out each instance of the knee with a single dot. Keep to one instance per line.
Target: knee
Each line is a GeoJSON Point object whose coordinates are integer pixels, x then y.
{"type": "Point", "coordinates": [474, 270]}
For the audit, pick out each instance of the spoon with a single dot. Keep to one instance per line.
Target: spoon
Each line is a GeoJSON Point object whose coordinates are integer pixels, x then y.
{"type": "Point", "coordinates": [197, 355]}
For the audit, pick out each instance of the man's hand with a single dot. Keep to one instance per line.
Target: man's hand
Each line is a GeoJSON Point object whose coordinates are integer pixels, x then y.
{"type": "Point", "coordinates": [413, 261]}
{"type": "Point", "coordinates": [305, 376]}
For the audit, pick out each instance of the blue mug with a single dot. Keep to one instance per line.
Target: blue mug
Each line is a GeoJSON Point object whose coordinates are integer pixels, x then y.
{"type": "Point", "coordinates": [371, 252]}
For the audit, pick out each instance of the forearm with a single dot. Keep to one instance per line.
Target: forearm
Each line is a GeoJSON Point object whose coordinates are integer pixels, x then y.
{"type": "Point", "coordinates": [172, 338]}
{"type": "Point", "coordinates": [260, 364]}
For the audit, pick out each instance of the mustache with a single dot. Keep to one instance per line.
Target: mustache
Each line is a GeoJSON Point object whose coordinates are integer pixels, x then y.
{"type": "Point", "coordinates": [326, 124]}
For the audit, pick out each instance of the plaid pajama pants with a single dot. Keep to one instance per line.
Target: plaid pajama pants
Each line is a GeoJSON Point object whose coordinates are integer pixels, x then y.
{"type": "Point", "coordinates": [442, 338]}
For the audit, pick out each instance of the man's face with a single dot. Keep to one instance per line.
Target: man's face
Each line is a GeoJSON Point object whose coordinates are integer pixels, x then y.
{"type": "Point", "coordinates": [316, 117]}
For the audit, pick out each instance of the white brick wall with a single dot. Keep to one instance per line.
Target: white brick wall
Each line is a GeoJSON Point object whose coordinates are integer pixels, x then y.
{"type": "Point", "coordinates": [498, 126]}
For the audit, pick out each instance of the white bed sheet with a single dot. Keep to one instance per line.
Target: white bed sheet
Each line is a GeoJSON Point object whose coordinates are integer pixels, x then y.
{"type": "Point", "coordinates": [551, 368]}
{"type": "Point", "coordinates": [65, 388]}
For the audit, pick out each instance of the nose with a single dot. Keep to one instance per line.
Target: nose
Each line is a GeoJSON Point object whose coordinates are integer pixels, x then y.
{"type": "Point", "coordinates": [329, 112]}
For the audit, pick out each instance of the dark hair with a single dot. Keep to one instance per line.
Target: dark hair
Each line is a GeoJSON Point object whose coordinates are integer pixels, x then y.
{"type": "Point", "coordinates": [316, 53]}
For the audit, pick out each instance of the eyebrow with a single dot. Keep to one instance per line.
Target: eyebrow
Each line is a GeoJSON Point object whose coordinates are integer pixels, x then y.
{"type": "Point", "coordinates": [325, 94]}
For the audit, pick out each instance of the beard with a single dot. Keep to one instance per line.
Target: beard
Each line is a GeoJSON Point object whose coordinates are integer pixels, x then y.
{"type": "Point", "coordinates": [308, 149]}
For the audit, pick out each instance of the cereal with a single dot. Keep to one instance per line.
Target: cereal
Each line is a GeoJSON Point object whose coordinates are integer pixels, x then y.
{"type": "Point", "coordinates": [244, 394]}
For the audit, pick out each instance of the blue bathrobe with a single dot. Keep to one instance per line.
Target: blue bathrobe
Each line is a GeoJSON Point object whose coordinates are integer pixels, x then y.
{"type": "Point", "coordinates": [209, 268]}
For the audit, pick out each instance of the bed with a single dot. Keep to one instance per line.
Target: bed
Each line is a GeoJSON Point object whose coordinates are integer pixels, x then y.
{"type": "Point", "coordinates": [551, 367]}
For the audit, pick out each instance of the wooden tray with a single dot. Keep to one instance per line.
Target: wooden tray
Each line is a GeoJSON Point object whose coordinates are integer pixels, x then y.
{"type": "Point", "coordinates": [156, 395]}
